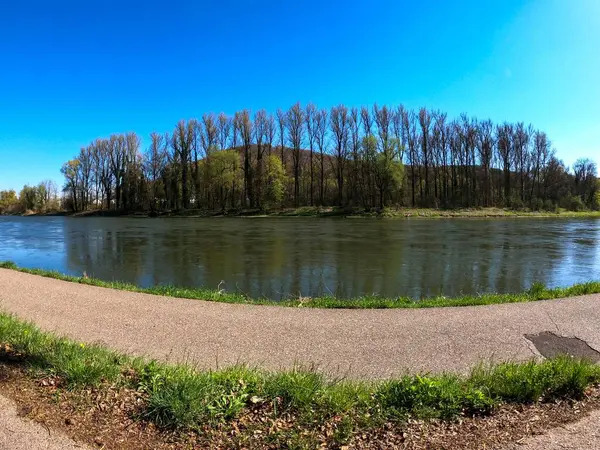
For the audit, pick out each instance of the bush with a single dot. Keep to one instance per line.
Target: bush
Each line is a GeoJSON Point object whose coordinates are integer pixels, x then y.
{"type": "Point", "coordinates": [516, 202]}
{"type": "Point", "coordinates": [573, 203]}
{"type": "Point", "coordinates": [596, 201]}
{"type": "Point", "coordinates": [537, 204]}
{"type": "Point", "coordinates": [550, 206]}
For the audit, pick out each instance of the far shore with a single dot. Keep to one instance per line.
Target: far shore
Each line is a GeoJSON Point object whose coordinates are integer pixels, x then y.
{"type": "Point", "coordinates": [386, 213]}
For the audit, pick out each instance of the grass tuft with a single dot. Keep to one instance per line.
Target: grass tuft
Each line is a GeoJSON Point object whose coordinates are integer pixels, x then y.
{"type": "Point", "coordinates": [554, 379]}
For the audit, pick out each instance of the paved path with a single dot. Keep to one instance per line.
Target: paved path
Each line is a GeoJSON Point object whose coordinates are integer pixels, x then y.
{"type": "Point", "coordinates": [18, 433]}
{"type": "Point", "coordinates": [358, 343]}
{"type": "Point", "coordinates": [581, 435]}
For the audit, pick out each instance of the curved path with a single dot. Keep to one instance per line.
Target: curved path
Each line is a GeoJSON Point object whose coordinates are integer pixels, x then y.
{"type": "Point", "coordinates": [356, 343]}
{"type": "Point", "coordinates": [20, 433]}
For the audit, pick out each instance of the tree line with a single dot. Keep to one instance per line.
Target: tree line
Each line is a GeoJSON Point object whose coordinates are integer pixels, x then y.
{"type": "Point", "coordinates": [368, 157]}
{"type": "Point", "coordinates": [43, 197]}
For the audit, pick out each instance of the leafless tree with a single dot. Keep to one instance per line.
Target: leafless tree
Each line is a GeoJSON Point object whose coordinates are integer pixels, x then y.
{"type": "Point", "coordinates": [310, 117]}
{"type": "Point", "coordinates": [295, 129]}
{"type": "Point", "coordinates": [339, 129]}
{"type": "Point", "coordinates": [321, 127]}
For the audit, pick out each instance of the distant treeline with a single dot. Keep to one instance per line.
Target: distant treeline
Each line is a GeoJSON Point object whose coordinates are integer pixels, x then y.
{"type": "Point", "coordinates": [358, 157]}
{"type": "Point", "coordinates": [40, 199]}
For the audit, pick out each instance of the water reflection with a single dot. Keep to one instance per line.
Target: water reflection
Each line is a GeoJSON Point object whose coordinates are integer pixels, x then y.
{"type": "Point", "coordinates": [280, 257]}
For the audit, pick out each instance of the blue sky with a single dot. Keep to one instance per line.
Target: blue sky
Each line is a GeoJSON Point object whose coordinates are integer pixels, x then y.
{"type": "Point", "coordinates": [76, 70]}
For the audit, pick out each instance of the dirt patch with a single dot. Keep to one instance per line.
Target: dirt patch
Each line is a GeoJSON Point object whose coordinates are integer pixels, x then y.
{"type": "Point", "coordinates": [551, 345]}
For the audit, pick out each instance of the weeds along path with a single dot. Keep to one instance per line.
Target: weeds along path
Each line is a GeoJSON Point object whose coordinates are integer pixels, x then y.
{"type": "Point", "coordinates": [354, 343]}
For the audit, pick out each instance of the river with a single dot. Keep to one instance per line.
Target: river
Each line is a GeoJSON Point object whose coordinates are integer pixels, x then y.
{"type": "Point", "coordinates": [280, 257]}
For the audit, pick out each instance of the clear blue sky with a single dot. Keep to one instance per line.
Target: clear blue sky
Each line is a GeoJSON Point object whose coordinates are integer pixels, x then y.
{"type": "Point", "coordinates": [75, 70]}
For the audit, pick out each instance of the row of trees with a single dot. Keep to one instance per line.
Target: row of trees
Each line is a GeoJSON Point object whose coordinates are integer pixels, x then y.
{"type": "Point", "coordinates": [360, 157]}
{"type": "Point", "coordinates": [39, 199]}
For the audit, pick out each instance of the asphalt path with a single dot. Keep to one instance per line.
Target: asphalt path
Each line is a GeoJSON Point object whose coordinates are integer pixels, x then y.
{"type": "Point", "coordinates": [367, 343]}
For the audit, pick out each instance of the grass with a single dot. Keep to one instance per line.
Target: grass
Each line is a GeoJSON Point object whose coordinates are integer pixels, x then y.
{"type": "Point", "coordinates": [356, 212]}
{"type": "Point", "coordinates": [426, 213]}
{"type": "Point", "coordinates": [536, 292]}
{"type": "Point", "coordinates": [182, 398]}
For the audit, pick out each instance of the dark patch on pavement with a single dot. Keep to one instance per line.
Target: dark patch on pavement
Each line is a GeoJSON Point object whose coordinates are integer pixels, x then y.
{"type": "Point", "coordinates": [551, 345]}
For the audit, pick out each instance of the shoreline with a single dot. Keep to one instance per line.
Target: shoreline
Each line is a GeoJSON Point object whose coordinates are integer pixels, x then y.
{"type": "Point", "coordinates": [537, 292]}
{"type": "Point", "coordinates": [332, 212]}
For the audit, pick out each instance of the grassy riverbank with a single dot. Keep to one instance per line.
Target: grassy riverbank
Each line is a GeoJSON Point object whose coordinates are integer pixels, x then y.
{"type": "Point", "coordinates": [309, 211]}
{"type": "Point", "coordinates": [536, 293]}
{"type": "Point", "coordinates": [293, 409]}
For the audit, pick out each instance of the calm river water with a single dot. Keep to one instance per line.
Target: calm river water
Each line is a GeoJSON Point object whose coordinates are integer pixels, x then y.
{"type": "Point", "coordinates": [288, 256]}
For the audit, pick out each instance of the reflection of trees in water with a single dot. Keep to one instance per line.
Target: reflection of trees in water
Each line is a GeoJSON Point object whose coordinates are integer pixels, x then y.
{"type": "Point", "coordinates": [277, 258]}
{"type": "Point", "coordinates": [106, 249]}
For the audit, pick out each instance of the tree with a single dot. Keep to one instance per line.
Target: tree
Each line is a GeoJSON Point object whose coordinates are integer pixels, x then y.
{"type": "Point", "coordinates": [182, 141]}
{"type": "Point", "coordinates": [245, 126]}
{"type": "Point", "coordinates": [70, 171]}
{"type": "Point", "coordinates": [295, 128]}
{"type": "Point", "coordinates": [281, 124]}
{"type": "Point", "coordinates": [486, 152]}
{"type": "Point", "coordinates": [505, 152]}
{"type": "Point", "coordinates": [343, 156]}
{"type": "Point", "coordinates": [586, 182]}
{"type": "Point", "coordinates": [261, 135]}
{"type": "Point", "coordinates": [425, 123]}
{"type": "Point", "coordinates": [224, 174]}
{"type": "Point", "coordinates": [310, 116]}
{"type": "Point", "coordinates": [8, 201]}
{"type": "Point", "coordinates": [154, 164]}
{"type": "Point", "coordinates": [339, 129]}
{"type": "Point", "coordinates": [409, 127]}
{"type": "Point", "coordinates": [321, 126]}
{"type": "Point", "coordinates": [276, 181]}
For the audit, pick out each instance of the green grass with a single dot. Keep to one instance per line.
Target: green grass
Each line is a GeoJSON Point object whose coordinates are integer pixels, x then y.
{"type": "Point", "coordinates": [356, 212]}
{"type": "Point", "coordinates": [537, 292]}
{"type": "Point", "coordinates": [428, 213]}
{"type": "Point", "coordinates": [180, 397]}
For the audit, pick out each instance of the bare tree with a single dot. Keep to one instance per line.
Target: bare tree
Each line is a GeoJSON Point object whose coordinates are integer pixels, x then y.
{"type": "Point", "coordinates": [223, 131]}
{"type": "Point", "coordinates": [295, 128]}
{"type": "Point", "coordinates": [154, 165]}
{"type": "Point", "coordinates": [261, 134]}
{"type": "Point", "coordinates": [310, 117]}
{"type": "Point", "coordinates": [245, 127]}
{"type": "Point", "coordinates": [321, 127]}
{"type": "Point", "coordinates": [339, 128]}
{"type": "Point", "coordinates": [182, 142]}
{"type": "Point", "coordinates": [486, 152]}
{"type": "Point", "coordinates": [410, 137]}
{"type": "Point", "coordinates": [505, 152]}
{"type": "Point", "coordinates": [281, 124]}
{"type": "Point", "coordinates": [425, 123]}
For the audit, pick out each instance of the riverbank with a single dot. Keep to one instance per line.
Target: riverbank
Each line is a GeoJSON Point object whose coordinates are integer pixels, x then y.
{"type": "Point", "coordinates": [108, 399]}
{"type": "Point", "coordinates": [348, 343]}
{"type": "Point", "coordinates": [386, 213]}
{"type": "Point", "coordinates": [537, 292]}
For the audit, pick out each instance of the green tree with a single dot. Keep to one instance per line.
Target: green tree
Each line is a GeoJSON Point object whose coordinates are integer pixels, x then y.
{"type": "Point", "coordinates": [276, 181]}
{"type": "Point", "coordinates": [8, 201]}
{"type": "Point", "coordinates": [225, 176]}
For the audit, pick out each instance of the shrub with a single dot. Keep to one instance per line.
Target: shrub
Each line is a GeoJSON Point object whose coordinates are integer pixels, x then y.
{"type": "Point", "coordinates": [516, 202]}
{"type": "Point", "coordinates": [537, 204]}
{"type": "Point", "coordinates": [550, 206]}
{"type": "Point", "coordinates": [573, 203]}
